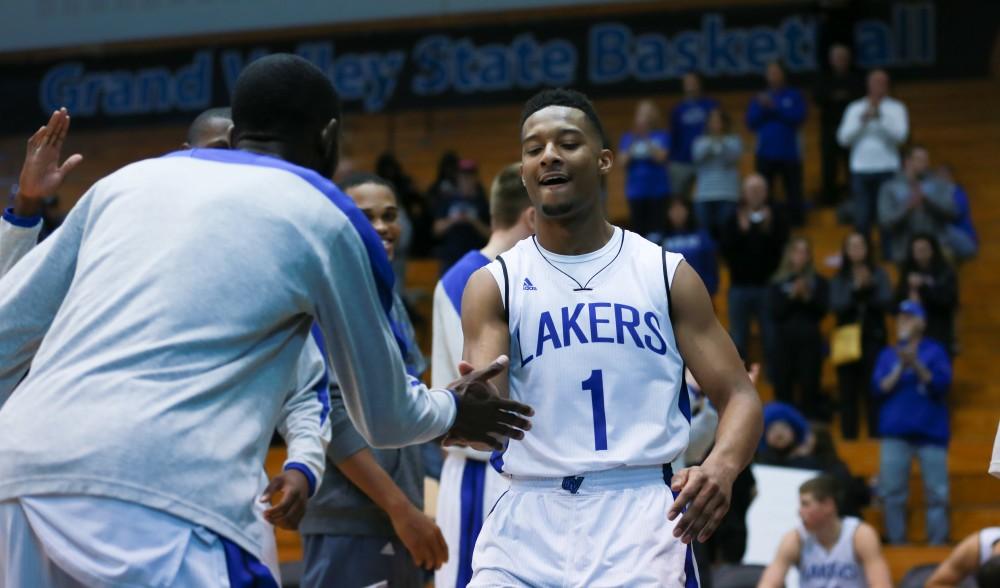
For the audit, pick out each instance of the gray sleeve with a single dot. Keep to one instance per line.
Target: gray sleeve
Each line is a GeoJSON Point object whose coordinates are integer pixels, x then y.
{"type": "Point", "coordinates": [32, 292]}
{"type": "Point", "coordinates": [345, 440]}
{"type": "Point", "coordinates": [304, 424]}
{"type": "Point", "coordinates": [941, 200]}
{"type": "Point", "coordinates": [387, 406]}
{"type": "Point", "coordinates": [15, 243]}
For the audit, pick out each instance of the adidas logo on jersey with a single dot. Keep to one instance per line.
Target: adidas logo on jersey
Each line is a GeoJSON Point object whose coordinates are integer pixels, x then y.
{"type": "Point", "coordinates": [528, 285]}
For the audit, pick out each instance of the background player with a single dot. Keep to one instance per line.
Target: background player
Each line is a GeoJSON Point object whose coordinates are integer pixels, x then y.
{"type": "Point", "coordinates": [978, 555]}
{"type": "Point", "coordinates": [469, 487]}
{"type": "Point", "coordinates": [599, 323]}
{"type": "Point", "coordinates": [136, 311]}
{"type": "Point", "coordinates": [829, 551]}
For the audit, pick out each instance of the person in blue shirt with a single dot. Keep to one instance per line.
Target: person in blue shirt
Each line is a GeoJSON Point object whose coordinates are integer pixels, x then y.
{"type": "Point", "coordinates": [960, 238]}
{"type": "Point", "coordinates": [912, 379]}
{"type": "Point", "coordinates": [686, 237]}
{"type": "Point", "coordinates": [687, 123]}
{"type": "Point", "coordinates": [776, 116]}
{"type": "Point", "coordinates": [643, 154]}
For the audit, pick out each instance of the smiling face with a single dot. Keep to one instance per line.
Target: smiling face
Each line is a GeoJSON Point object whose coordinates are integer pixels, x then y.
{"type": "Point", "coordinates": [562, 161]}
{"type": "Point", "coordinates": [379, 205]}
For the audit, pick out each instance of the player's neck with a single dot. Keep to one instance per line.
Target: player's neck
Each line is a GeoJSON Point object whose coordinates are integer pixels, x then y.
{"type": "Point", "coordinates": [828, 534]}
{"type": "Point", "coordinates": [574, 236]}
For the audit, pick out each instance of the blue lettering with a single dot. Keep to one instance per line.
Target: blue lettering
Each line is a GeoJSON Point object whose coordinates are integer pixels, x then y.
{"type": "Point", "coordinates": [431, 57]}
{"type": "Point", "coordinates": [609, 60]}
{"type": "Point", "coordinates": [559, 63]}
{"type": "Point", "coordinates": [873, 41]}
{"type": "Point", "coordinates": [383, 73]}
{"type": "Point", "coordinates": [800, 44]}
{"type": "Point", "coordinates": [155, 89]}
{"type": "Point", "coordinates": [762, 48]}
{"type": "Point", "coordinates": [494, 72]}
{"type": "Point", "coordinates": [721, 46]}
{"type": "Point", "coordinates": [687, 49]}
{"type": "Point", "coordinates": [652, 57]}
{"type": "Point", "coordinates": [517, 337]}
{"type": "Point", "coordinates": [58, 88]}
{"type": "Point", "coordinates": [546, 332]}
{"type": "Point", "coordinates": [570, 324]}
{"type": "Point", "coordinates": [349, 78]}
{"type": "Point", "coordinates": [463, 62]}
{"type": "Point", "coordinates": [594, 321]}
{"type": "Point", "coordinates": [194, 83]}
{"type": "Point", "coordinates": [622, 324]}
{"type": "Point", "coordinates": [118, 99]}
{"type": "Point", "coordinates": [654, 327]}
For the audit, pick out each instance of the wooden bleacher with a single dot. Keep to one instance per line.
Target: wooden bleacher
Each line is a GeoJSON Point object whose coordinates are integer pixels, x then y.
{"type": "Point", "coordinates": [957, 120]}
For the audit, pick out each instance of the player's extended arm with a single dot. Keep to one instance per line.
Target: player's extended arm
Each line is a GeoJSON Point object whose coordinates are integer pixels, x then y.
{"type": "Point", "coordinates": [869, 550]}
{"type": "Point", "coordinates": [32, 292]}
{"type": "Point", "coordinates": [961, 563]}
{"type": "Point", "coordinates": [484, 326]}
{"type": "Point", "coordinates": [389, 408]}
{"type": "Point", "coordinates": [788, 554]}
{"type": "Point", "coordinates": [709, 352]}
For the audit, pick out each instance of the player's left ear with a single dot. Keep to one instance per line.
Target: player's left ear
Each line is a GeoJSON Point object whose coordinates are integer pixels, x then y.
{"type": "Point", "coordinates": [330, 143]}
{"type": "Point", "coordinates": [605, 161]}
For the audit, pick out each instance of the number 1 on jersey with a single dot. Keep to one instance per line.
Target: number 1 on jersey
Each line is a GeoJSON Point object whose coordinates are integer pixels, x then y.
{"type": "Point", "coordinates": [595, 383]}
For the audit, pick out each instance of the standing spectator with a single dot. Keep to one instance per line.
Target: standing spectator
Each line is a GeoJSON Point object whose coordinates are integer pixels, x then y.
{"type": "Point", "coordinates": [751, 244]}
{"type": "Point", "coordinates": [926, 277]}
{"type": "Point", "coordinates": [462, 219]}
{"type": "Point", "coordinates": [960, 237]}
{"type": "Point", "coordinates": [717, 165]}
{"type": "Point", "coordinates": [414, 203]}
{"type": "Point", "coordinates": [913, 378]}
{"type": "Point", "coordinates": [798, 300]}
{"type": "Point", "coordinates": [687, 123]}
{"type": "Point", "coordinates": [643, 154]}
{"type": "Point", "coordinates": [684, 236]}
{"type": "Point", "coordinates": [446, 182]}
{"type": "Point", "coordinates": [833, 93]}
{"type": "Point", "coordinates": [873, 128]}
{"type": "Point", "coordinates": [915, 201]}
{"type": "Point", "coordinates": [776, 115]}
{"type": "Point", "coordinates": [860, 294]}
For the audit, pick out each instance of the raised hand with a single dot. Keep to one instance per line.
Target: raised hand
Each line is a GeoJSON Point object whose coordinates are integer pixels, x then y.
{"type": "Point", "coordinates": [41, 174]}
{"type": "Point", "coordinates": [484, 417]}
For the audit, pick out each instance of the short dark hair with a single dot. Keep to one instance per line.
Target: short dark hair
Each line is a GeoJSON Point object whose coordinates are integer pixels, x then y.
{"type": "Point", "coordinates": [201, 121]}
{"type": "Point", "coordinates": [508, 197]}
{"type": "Point", "coordinates": [570, 99]}
{"type": "Point", "coordinates": [821, 488]}
{"type": "Point", "coordinates": [282, 95]}
{"type": "Point", "coordinates": [359, 178]}
{"type": "Point", "coordinates": [989, 573]}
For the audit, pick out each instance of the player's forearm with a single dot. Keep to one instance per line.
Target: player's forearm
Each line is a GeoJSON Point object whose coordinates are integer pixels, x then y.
{"type": "Point", "coordinates": [365, 473]}
{"type": "Point", "coordinates": [27, 207]}
{"type": "Point", "coordinates": [740, 428]}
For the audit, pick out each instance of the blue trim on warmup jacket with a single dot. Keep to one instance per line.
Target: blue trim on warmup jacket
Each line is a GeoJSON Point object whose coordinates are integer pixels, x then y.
{"type": "Point", "coordinates": [310, 477]}
{"type": "Point", "coordinates": [25, 222]}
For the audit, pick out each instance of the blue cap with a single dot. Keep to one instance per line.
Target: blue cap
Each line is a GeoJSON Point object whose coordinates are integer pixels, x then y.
{"type": "Point", "coordinates": [913, 308]}
{"type": "Point", "coordinates": [779, 411]}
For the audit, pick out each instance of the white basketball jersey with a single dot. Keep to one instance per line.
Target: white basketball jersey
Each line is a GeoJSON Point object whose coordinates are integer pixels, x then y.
{"type": "Point", "coordinates": [595, 357]}
{"type": "Point", "coordinates": [837, 568]}
{"type": "Point", "coordinates": [988, 538]}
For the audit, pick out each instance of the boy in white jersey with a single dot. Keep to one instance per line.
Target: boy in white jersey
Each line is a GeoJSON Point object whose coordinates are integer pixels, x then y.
{"type": "Point", "coordinates": [829, 551]}
{"type": "Point", "coordinates": [469, 486]}
{"type": "Point", "coordinates": [599, 324]}
{"type": "Point", "coordinates": [978, 555]}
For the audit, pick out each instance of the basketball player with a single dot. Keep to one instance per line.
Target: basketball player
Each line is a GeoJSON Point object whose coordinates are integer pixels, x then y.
{"type": "Point", "coordinates": [978, 555]}
{"type": "Point", "coordinates": [161, 323]}
{"type": "Point", "coordinates": [41, 176]}
{"type": "Point", "coordinates": [469, 487]}
{"type": "Point", "coordinates": [599, 323]}
{"type": "Point", "coordinates": [829, 551]}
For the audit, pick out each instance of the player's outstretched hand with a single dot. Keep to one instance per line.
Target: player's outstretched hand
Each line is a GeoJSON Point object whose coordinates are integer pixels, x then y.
{"type": "Point", "coordinates": [294, 489]}
{"type": "Point", "coordinates": [705, 492]}
{"type": "Point", "coordinates": [41, 174]}
{"type": "Point", "coordinates": [422, 538]}
{"type": "Point", "coordinates": [484, 417]}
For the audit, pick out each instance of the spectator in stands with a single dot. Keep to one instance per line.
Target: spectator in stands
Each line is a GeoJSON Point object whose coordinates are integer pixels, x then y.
{"type": "Point", "coordinates": [752, 243]}
{"type": "Point", "coordinates": [776, 115]}
{"type": "Point", "coordinates": [684, 236]}
{"type": "Point", "coordinates": [716, 156]}
{"type": "Point", "coordinates": [687, 123]}
{"type": "Point", "coordinates": [833, 93]}
{"type": "Point", "coordinates": [913, 378]}
{"type": "Point", "coordinates": [827, 549]}
{"type": "Point", "coordinates": [860, 294]}
{"type": "Point", "coordinates": [414, 203]}
{"type": "Point", "coordinates": [642, 153]}
{"type": "Point", "coordinates": [462, 218]}
{"type": "Point", "coordinates": [787, 435]}
{"type": "Point", "coordinates": [915, 201]}
{"type": "Point", "coordinates": [799, 299]}
{"type": "Point", "coordinates": [927, 277]}
{"type": "Point", "coordinates": [960, 238]}
{"type": "Point", "coordinates": [873, 128]}
{"type": "Point", "coordinates": [978, 555]}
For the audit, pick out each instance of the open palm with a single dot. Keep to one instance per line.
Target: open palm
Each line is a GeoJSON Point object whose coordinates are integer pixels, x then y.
{"type": "Point", "coordinates": [41, 174]}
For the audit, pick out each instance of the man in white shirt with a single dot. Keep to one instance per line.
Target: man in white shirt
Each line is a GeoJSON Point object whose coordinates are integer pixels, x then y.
{"type": "Point", "coordinates": [873, 128]}
{"type": "Point", "coordinates": [174, 304]}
